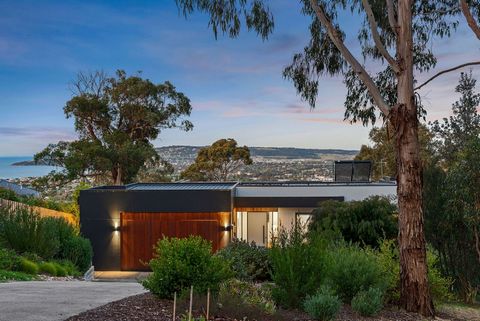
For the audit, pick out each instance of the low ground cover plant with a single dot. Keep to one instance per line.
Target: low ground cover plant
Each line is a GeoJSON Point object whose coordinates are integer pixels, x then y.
{"type": "Point", "coordinates": [248, 261]}
{"type": "Point", "coordinates": [183, 262]}
{"type": "Point", "coordinates": [248, 294]}
{"type": "Point", "coordinates": [15, 275]}
{"type": "Point", "coordinates": [323, 305]}
{"type": "Point", "coordinates": [368, 302]}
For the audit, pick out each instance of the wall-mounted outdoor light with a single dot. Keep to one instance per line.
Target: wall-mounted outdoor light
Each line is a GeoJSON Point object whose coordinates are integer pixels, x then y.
{"type": "Point", "coordinates": [228, 228]}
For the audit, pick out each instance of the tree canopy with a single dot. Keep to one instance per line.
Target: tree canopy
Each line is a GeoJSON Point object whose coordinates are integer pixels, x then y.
{"type": "Point", "coordinates": [115, 119]}
{"type": "Point", "coordinates": [218, 162]}
{"type": "Point", "coordinates": [395, 40]}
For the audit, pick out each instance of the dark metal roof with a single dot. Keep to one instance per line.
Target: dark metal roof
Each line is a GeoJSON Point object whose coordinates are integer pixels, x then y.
{"type": "Point", "coordinates": [193, 186]}
{"type": "Point", "coordinates": [311, 183]}
{"type": "Point", "coordinates": [18, 189]}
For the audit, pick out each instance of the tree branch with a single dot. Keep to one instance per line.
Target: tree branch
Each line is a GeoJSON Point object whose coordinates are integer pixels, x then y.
{"type": "Point", "coordinates": [356, 66]}
{"type": "Point", "coordinates": [391, 16]}
{"type": "Point", "coordinates": [376, 37]}
{"type": "Point", "coordinates": [470, 20]}
{"type": "Point", "coordinates": [473, 63]}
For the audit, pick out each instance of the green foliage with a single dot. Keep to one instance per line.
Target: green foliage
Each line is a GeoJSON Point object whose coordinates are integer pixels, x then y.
{"type": "Point", "coordinates": [6, 275]}
{"type": "Point", "coordinates": [247, 293]}
{"type": "Point", "coordinates": [351, 269]}
{"type": "Point", "coordinates": [9, 260]}
{"type": "Point", "coordinates": [28, 266]}
{"type": "Point", "coordinates": [452, 214]}
{"type": "Point", "coordinates": [77, 250]}
{"type": "Point", "coordinates": [381, 150]}
{"type": "Point", "coordinates": [323, 306]}
{"type": "Point", "coordinates": [218, 162]}
{"type": "Point", "coordinates": [46, 238]}
{"type": "Point", "coordinates": [365, 222]}
{"type": "Point", "coordinates": [248, 262]}
{"type": "Point", "coordinates": [7, 194]}
{"type": "Point", "coordinates": [181, 263]}
{"type": "Point", "coordinates": [61, 271]}
{"type": "Point", "coordinates": [368, 302]}
{"type": "Point", "coordinates": [297, 266]}
{"type": "Point", "coordinates": [116, 118]}
{"type": "Point", "coordinates": [49, 268]}
{"type": "Point", "coordinates": [388, 258]}
{"type": "Point", "coordinates": [68, 266]}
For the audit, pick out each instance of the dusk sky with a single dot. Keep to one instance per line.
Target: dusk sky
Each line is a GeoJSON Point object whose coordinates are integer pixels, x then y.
{"type": "Point", "coordinates": [235, 85]}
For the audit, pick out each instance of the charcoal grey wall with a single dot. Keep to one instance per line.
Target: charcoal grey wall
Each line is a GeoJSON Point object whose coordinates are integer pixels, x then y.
{"type": "Point", "coordinates": [100, 213]}
{"type": "Point", "coordinates": [283, 201]}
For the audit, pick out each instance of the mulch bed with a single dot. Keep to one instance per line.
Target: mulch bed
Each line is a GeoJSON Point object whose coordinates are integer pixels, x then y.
{"type": "Point", "coordinates": [147, 307]}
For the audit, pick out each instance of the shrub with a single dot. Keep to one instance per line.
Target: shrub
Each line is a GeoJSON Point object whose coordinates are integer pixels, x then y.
{"type": "Point", "coordinates": [14, 275]}
{"type": "Point", "coordinates": [28, 266]}
{"type": "Point", "coordinates": [365, 222]}
{"type": "Point", "coordinates": [248, 262]}
{"type": "Point", "coordinates": [369, 302]}
{"type": "Point", "coordinates": [49, 268]}
{"type": "Point", "coordinates": [181, 263]}
{"type": "Point", "coordinates": [24, 231]}
{"type": "Point", "coordinates": [352, 269]}
{"type": "Point", "coordinates": [69, 267]}
{"type": "Point", "coordinates": [323, 306]}
{"type": "Point", "coordinates": [9, 260]}
{"type": "Point", "coordinates": [246, 293]}
{"type": "Point", "coordinates": [77, 250]}
{"type": "Point", "coordinates": [61, 271]}
{"type": "Point", "coordinates": [388, 257]}
{"type": "Point", "coordinates": [297, 266]}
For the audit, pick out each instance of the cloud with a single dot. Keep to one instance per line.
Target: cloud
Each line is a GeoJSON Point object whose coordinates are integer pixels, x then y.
{"type": "Point", "coordinates": [49, 134]}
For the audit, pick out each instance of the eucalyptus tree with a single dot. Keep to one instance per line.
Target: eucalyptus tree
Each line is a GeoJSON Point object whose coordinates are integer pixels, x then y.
{"type": "Point", "coordinates": [218, 162]}
{"type": "Point", "coordinates": [395, 38]}
{"type": "Point", "coordinates": [115, 119]}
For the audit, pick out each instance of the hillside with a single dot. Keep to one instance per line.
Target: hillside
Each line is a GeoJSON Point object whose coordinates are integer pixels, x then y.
{"type": "Point", "coordinates": [271, 163]}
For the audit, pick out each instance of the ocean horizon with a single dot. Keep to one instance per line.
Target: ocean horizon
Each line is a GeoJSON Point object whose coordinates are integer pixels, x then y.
{"type": "Point", "coordinates": [9, 171]}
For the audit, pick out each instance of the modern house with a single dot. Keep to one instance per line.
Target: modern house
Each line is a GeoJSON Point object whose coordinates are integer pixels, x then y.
{"type": "Point", "coordinates": [124, 222]}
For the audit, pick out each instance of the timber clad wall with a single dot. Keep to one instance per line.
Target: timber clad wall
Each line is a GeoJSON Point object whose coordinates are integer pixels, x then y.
{"type": "Point", "coordinates": [141, 231]}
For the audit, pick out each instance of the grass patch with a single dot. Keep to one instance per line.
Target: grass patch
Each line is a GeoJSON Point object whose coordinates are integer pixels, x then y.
{"type": "Point", "coordinates": [15, 276]}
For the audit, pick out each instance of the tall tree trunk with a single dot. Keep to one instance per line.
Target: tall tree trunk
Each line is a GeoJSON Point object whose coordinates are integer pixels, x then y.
{"type": "Point", "coordinates": [117, 176]}
{"type": "Point", "coordinates": [415, 293]}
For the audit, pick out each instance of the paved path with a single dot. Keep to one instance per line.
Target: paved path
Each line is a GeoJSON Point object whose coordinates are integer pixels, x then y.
{"type": "Point", "coordinates": [58, 300]}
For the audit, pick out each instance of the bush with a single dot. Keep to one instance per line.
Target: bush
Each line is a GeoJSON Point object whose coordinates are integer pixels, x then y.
{"type": "Point", "coordinates": [369, 302]}
{"type": "Point", "coordinates": [388, 257]}
{"type": "Point", "coordinates": [352, 269]}
{"type": "Point", "coordinates": [297, 266]}
{"type": "Point", "coordinates": [14, 275]}
{"type": "Point", "coordinates": [248, 262]}
{"type": "Point", "coordinates": [323, 306]}
{"type": "Point", "coordinates": [181, 263]}
{"type": "Point", "coordinates": [69, 267]}
{"type": "Point", "coordinates": [9, 260]}
{"type": "Point", "coordinates": [249, 294]}
{"type": "Point", "coordinates": [47, 238]}
{"type": "Point", "coordinates": [61, 271]}
{"type": "Point", "coordinates": [77, 250]}
{"type": "Point", "coordinates": [24, 231]}
{"type": "Point", "coordinates": [49, 268]}
{"type": "Point", "coordinates": [28, 266]}
{"type": "Point", "coordinates": [365, 222]}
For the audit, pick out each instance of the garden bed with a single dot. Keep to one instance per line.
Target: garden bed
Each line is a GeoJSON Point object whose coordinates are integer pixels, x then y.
{"type": "Point", "coordinates": [149, 308]}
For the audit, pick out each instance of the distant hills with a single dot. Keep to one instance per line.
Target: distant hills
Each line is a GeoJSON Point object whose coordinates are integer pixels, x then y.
{"type": "Point", "coordinates": [271, 152]}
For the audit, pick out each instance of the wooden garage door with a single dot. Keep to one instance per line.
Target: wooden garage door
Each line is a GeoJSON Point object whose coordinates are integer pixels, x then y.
{"type": "Point", "coordinates": [140, 232]}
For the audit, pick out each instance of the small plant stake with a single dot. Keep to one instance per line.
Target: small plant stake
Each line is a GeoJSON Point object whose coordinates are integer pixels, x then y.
{"type": "Point", "coordinates": [174, 305]}
{"type": "Point", "coordinates": [191, 302]}
{"type": "Point", "coordinates": [208, 303]}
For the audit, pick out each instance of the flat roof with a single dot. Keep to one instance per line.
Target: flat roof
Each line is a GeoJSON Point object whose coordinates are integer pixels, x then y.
{"type": "Point", "coordinates": [222, 186]}
{"type": "Point", "coordinates": [193, 186]}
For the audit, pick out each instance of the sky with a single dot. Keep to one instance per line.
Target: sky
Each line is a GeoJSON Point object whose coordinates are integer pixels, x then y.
{"type": "Point", "coordinates": [235, 86]}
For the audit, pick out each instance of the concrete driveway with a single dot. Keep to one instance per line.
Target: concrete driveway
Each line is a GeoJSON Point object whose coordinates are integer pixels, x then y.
{"type": "Point", "coordinates": [58, 300]}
